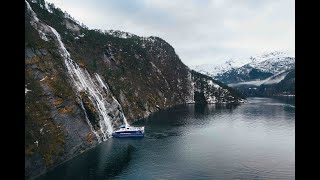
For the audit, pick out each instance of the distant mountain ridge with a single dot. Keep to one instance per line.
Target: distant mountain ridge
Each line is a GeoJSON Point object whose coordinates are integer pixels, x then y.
{"type": "Point", "coordinates": [272, 62]}
{"type": "Point", "coordinates": [266, 69]}
{"type": "Point", "coordinates": [213, 70]}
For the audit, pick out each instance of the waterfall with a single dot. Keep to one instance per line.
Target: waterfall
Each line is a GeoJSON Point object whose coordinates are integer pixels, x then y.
{"type": "Point", "coordinates": [83, 82]}
{"type": "Point", "coordinates": [108, 91]}
{"type": "Point", "coordinates": [90, 125]}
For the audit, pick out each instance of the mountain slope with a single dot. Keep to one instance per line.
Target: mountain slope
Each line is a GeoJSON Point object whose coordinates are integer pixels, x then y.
{"type": "Point", "coordinates": [81, 84]}
{"type": "Point", "coordinates": [278, 85]}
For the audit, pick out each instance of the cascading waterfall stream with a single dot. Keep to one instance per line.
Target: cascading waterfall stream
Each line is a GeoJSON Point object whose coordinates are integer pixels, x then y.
{"type": "Point", "coordinates": [90, 125]}
{"type": "Point", "coordinates": [83, 82]}
{"type": "Point", "coordinates": [108, 91]}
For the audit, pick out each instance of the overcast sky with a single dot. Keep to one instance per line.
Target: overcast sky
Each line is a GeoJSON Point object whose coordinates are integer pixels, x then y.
{"type": "Point", "coordinates": [201, 31]}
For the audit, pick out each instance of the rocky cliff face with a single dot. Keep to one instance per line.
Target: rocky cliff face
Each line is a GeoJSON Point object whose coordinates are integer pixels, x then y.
{"type": "Point", "coordinates": [207, 90]}
{"type": "Point", "coordinates": [80, 84]}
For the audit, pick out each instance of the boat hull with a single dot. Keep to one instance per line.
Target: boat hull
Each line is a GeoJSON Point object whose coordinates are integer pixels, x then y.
{"type": "Point", "coordinates": [128, 134]}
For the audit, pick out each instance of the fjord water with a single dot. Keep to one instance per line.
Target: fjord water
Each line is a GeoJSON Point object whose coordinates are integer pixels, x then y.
{"type": "Point", "coordinates": [255, 140]}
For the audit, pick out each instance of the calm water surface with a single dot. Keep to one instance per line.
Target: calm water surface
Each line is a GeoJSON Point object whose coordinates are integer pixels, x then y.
{"type": "Point", "coordinates": [251, 141]}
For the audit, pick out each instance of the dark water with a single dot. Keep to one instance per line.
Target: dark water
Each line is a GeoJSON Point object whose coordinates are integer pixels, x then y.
{"type": "Point", "coordinates": [251, 141]}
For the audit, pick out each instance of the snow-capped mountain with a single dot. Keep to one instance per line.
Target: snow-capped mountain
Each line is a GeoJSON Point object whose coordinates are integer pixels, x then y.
{"type": "Point", "coordinates": [253, 68]}
{"type": "Point", "coordinates": [268, 69]}
{"type": "Point", "coordinates": [271, 62]}
{"type": "Point", "coordinates": [213, 70]}
{"type": "Point", "coordinates": [274, 62]}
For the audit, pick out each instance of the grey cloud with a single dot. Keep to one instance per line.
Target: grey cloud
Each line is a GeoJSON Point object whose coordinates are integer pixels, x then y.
{"type": "Point", "coordinates": [201, 31]}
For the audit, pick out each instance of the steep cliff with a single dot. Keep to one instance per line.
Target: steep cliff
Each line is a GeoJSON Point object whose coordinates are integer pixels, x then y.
{"type": "Point", "coordinates": [80, 84]}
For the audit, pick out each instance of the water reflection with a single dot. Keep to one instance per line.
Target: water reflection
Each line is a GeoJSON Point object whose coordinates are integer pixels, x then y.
{"type": "Point", "coordinates": [107, 160]}
{"type": "Point", "coordinates": [209, 108]}
{"type": "Point", "coordinates": [251, 141]}
{"type": "Point", "coordinates": [286, 99]}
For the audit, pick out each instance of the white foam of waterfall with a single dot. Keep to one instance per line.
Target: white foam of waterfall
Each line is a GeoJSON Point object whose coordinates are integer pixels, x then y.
{"type": "Point", "coordinates": [83, 82]}
{"type": "Point", "coordinates": [108, 90]}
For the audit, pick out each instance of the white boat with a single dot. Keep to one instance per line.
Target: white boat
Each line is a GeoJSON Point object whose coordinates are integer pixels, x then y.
{"type": "Point", "coordinates": [129, 131]}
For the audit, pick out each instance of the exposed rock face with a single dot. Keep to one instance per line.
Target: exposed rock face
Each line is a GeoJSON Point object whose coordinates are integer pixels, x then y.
{"type": "Point", "coordinates": [208, 90]}
{"type": "Point", "coordinates": [81, 84]}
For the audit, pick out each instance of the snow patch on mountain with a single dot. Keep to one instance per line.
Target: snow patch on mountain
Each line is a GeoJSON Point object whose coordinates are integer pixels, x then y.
{"type": "Point", "coordinates": [72, 26]}
{"type": "Point", "coordinates": [47, 7]}
{"type": "Point", "coordinates": [120, 34]}
{"type": "Point", "coordinates": [213, 69]}
{"type": "Point", "coordinates": [26, 90]}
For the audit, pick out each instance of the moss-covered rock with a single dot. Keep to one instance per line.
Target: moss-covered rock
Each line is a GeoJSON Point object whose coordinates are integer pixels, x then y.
{"type": "Point", "coordinates": [91, 111]}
